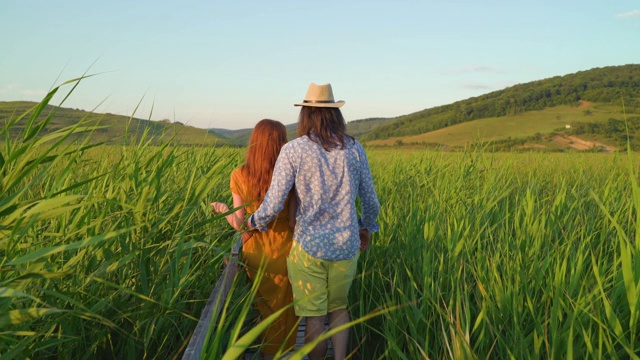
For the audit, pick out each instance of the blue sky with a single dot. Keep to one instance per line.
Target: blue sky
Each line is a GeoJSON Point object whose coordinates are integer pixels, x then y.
{"type": "Point", "coordinates": [229, 64]}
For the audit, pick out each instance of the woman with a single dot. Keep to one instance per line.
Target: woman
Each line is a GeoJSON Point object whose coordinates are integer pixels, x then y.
{"type": "Point", "coordinates": [329, 170]}
{"type": "Point", "coordinates": [267, 250]}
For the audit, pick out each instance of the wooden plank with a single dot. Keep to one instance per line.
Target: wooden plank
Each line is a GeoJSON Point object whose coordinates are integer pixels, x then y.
{"type": "Point", "coordinates": [300, 338]}
{"type": "Point", "coordinates": [252, 354]}
{"type": "Point", "coordinates": [214, 304]}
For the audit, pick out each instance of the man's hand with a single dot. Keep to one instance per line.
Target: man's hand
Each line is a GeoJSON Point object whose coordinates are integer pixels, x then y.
{"type": "Point", "coordinates": [365, 239]}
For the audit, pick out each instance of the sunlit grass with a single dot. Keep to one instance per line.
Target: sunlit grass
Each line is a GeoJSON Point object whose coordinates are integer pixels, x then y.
{"type": "Point", "coordinates": [522, 256]}
{"type": "Point", "coordinates": [107, 249]}
{"type": "Point", "coordinates": [111, 251]}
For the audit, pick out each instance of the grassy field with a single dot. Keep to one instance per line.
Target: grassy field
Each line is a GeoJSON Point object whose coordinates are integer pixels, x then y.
{"type": "Point", "coordinates": [111, 252]}
{"type": "Point", "coordinates": [516, 126]}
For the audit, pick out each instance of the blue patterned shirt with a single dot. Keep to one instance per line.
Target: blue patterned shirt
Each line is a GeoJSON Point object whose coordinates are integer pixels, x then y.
{"type": "Point", "coordinates": [327, 183]}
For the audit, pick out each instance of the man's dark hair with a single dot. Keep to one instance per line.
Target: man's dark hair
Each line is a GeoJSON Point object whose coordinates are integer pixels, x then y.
{"type": "Point", "coordinates": [324, 125]}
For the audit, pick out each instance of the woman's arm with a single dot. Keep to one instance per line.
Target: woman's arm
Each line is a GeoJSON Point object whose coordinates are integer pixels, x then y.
{"type": "Point", "coordinates": [236, 218]}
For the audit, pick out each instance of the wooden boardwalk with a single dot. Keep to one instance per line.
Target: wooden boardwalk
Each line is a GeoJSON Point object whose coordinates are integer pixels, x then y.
{"type": "Point", "coordinates": [299, 342]}
{"type": "Point", "coordinates": [212, 308]}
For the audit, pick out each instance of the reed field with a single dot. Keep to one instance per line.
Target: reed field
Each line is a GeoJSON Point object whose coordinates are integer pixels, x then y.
{"type": "Point", "coordinates": [502, 256]}
{"type": "Point", "coordinates": [111, 252]}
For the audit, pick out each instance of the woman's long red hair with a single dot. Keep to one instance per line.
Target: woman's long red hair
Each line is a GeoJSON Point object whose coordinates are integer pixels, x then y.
{"type": "Point", "coordinates": [267, 139]}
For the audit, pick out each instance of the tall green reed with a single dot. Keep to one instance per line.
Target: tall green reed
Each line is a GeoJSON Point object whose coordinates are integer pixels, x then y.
{"type": "Point", "coordinates": [105, 250]}
{"type": "Point", "coordinates": [502, 256]}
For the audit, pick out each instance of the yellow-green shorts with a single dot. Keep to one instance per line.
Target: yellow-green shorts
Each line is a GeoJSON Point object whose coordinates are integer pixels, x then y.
{"type": "Point", "coordinates": [319, 286]}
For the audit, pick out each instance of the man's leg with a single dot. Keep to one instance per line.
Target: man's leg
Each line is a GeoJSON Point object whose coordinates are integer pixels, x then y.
{"type": "Point", "coordinates": [308, 277]}
{"type": "Point", "coordinates": [341, 275]}
{"type": "Point", "coordinates": [315, 327]}
{"type": "Point", "coordinates": [339, 340]}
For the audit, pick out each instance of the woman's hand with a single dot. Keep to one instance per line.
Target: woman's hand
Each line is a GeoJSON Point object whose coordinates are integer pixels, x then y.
{"type": "Point", "coordinates": [247, 235]}
{"type": "Point", "coordinates": [235, 218]}
{"type": "Point", "coordinates": [219, 208]}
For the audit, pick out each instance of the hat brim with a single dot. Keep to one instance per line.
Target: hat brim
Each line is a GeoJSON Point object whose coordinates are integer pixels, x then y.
{"type": "Point", "coordinates": [336, 104]}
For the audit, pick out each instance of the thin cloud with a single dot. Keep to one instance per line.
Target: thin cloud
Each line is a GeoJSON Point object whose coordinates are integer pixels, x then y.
{"type": "Point", "coordinates": [475, 69]}
{"type": "Point", "coordinates": [630, 14]}
{"type": "Point", "coordinates": [33, 92]}
{"type": "Point", "coordinates": [506, 84]}
{"type": "Point", "coordinates": [475, 86]}
{"type": "Point", "coordinates": [16, 90]}
{"type": "Point", "coordinates": [8, 88]}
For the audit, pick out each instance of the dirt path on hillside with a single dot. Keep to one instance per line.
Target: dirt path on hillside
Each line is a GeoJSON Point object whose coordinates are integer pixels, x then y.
{"type": "Point", "coordinates": [580, 144]}
{"type": "Point", "coordinates": [584, 104]}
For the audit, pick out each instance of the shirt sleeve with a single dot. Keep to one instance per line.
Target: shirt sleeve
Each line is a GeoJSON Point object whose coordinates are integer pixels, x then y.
{"type": "Point", "coordinates": [368, 197]}
{"type": "Point", "coordinates": [281, 182]}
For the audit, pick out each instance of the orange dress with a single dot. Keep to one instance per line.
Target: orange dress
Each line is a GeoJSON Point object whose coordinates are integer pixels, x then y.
{"type": "Point", "coordinates": [270, 250]}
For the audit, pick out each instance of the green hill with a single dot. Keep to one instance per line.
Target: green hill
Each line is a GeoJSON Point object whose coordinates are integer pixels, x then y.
{"type": "Point", "coordinates": [560, 127]}
{"type": "Point", "coordinates": [589, 101]}
{"type": "Point", "coordinates": [241, 137]}
{"type": "Point", "coordinates": [607, 85]}
{"type": "Point", "coordinates": [116, 126]}
{"type": "Point", "coordinates": [355, 128]}
{"type": "Point", "coordinates": [237, 137]}
{"type": "Point", "coordinates": [359, 128]}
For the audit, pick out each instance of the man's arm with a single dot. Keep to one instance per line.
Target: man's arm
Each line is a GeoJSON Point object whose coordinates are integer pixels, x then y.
{"type": "Point", "coordinates": [281, 183]}
{"type": "Point", "coordinates": [368, 196]}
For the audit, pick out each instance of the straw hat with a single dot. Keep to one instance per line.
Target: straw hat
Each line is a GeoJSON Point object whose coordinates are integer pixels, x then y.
{"type": "Point", "coordinates": [320, 96]}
